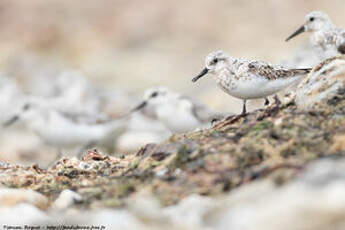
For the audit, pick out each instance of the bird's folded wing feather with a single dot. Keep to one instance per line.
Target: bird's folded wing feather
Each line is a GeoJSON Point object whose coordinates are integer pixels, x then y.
{"type": "Point", "coordinates": [272, 72]}
{"type": "Point", "coordinates": [87, 119]}
{"type": "Point", "coordinates": [202, 112]}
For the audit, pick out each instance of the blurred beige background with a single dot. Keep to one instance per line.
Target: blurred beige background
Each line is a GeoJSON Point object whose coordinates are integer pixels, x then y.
{"type": "Point", "coordinates": [134, 45]}
{"type": "Point", "coordinates": [138, 44]}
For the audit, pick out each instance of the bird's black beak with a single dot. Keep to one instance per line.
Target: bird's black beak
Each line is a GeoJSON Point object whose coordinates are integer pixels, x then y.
{"type": "Point", "coordinates": [203, 72]}
{"type": "Point", "coordinates": [139, 107]}
{"type": "Point", "coordinates": [297, 32]}
{"type": "Point", "coordinates": [11, 121]}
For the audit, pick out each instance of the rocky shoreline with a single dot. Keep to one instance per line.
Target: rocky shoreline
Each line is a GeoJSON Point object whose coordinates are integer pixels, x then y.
{"type": "Point", "coordinates": [270, 151]}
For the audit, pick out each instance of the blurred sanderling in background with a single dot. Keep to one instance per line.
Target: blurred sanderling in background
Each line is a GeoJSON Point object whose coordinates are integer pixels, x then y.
{"type": "Point", "coordinates": [177, 112]}
{"type": "Point", "coordinates": [62, 130]}
{"type": "Point", "coordinates": [76, 115]}
{"type": "Point", "coordinates": [324, 34]}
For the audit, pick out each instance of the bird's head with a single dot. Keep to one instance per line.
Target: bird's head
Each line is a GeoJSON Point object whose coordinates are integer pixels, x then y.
{"type": "Point", "coordinates": [314, 21]}
{"type": "Point", "coordinates": [213, 61]}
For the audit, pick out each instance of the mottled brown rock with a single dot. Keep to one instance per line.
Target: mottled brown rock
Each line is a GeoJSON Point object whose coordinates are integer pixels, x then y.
{"type": "Point", "coordinates": [326, 80]}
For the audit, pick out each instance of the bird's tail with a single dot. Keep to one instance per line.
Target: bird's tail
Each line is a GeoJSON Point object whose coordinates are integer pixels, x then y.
{"type": "Point", "coordinates": [301, 71]}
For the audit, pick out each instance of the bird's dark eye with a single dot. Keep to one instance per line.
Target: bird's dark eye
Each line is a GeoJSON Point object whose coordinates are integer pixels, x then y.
{"type": "Point", "coordinates": [311, 19]}
{"type": "Point", "coordinates": [155, 94]}
{"type": "Point", "coordinates": [26, 107]}
{"type": "Point", "coordinates": [215, 61]}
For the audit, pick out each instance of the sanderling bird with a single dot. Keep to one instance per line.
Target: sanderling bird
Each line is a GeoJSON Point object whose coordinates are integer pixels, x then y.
{"type": "Point", "coordinates": [324, 33]}
{"type": "Point", "coordinates": [178, 113]}
{"type": "Point", "coordinates": [62, 131]}
{"type": "Point", "coordinates": [246, 79]}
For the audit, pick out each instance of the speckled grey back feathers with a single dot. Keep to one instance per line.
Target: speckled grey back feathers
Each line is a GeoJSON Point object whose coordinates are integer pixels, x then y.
{"type": "Point", "coordinates": [271, 72]}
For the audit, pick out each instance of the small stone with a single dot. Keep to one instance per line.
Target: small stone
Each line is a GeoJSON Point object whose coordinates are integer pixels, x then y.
{"type": "Point", "coordinates": [84, 166]}
{"type": "Point", "coordinates": [66, 199]}
{"type": "Point", "coordinates": [278, 122]}
{"type": "Point", "coordinates": [162, 172]}
{"type": "Point", "coordinates": [93, 155]}
{"type": "Point", "coordinates": [177, 172]}
{"type": "Point", "coordinates": [4, 164]}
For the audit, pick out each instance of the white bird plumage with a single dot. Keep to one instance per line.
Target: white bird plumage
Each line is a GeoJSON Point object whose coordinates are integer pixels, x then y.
{"type": "Point", "coordinates": [247, 79]}
{"type": "Point", "coordinates": [62, 131]}
{"type": "Point", "coordinates": [177, 112]}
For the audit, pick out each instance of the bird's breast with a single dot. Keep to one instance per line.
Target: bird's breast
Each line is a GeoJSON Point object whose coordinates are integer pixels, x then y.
{"type": "Point", "coordinates": [255, 87]}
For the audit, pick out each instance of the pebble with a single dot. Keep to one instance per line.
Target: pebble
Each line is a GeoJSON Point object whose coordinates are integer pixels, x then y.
{"type": "Point", "coordinates": [66, 199]}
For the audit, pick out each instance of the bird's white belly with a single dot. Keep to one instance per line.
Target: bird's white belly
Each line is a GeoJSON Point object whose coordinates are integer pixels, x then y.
{"type": "Point", "coordinates": [68, 137]}
{"type": "Point", "coordinates": [64, 134]}
{"type": "Point", "coordinates": [176, 119]}
{"type": "Point", "coordinates": [257, 87]}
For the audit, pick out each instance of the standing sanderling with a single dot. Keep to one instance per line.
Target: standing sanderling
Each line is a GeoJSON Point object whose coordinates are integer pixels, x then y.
{"type": "Point", "coordinates": [324, 33]}
{"type": "Point", "coordinates": [178, 113]}
{"type": "Point", "coordinates": [247, 79]}
{"type": "Point", "coordinates": [62, 131]}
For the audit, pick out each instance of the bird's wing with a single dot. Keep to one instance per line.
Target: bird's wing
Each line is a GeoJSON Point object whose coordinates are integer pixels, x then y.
{"type": "Point", "coordinates": [89, 119]}
{"type": "Point", "coordinates": [203, 112]}
{"type": "Point", "coordinates": [272, 72]}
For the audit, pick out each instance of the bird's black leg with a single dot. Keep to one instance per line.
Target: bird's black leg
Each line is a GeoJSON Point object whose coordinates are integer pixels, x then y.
{"type": "Point", "coordinates": [244, 109]}
{"type": "Point", "coordinates": [267, 102]}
